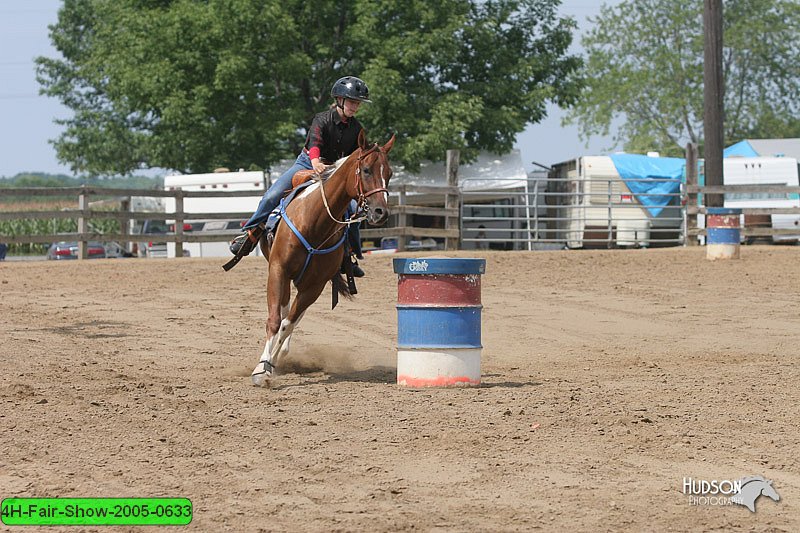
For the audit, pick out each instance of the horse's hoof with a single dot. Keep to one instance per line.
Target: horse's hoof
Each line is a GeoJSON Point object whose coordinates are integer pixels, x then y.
{"type": "Point", "coordinates": [262, 380]}
{"type": "Point", "coordinates": [258, 379]}
{"type": "Point", "coordinates": [261, 374]}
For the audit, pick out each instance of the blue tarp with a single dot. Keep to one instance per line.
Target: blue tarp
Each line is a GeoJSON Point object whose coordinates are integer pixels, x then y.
{"type": "Point", "coordinates": [741, 149]}
{"type": "Point", "coordinates": [632, 167]}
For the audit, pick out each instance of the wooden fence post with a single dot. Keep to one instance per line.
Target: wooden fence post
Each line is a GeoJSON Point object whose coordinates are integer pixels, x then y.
{"type": "Point", "coordinates": [83, 204]}
{"type": "Point", "coordinates": [402, 220]}
{"type": "Point", "coordinates": [179, 222]}
{"type": "Point", "coordinates": [691, 198]}
{"type": "Point", "coordinates": [451, 200]}
{"type": "Point", "coordinates": [125, 224]}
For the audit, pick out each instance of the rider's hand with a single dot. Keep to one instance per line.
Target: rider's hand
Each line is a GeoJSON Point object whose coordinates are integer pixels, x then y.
{"type": "Point", "coordinates": [318, 165]}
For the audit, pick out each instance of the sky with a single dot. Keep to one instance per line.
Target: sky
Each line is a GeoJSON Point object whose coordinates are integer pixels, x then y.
{"type": "Point", "coordinates": [27, 119]}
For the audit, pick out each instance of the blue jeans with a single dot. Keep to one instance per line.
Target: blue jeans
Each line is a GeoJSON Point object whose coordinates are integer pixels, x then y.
{"type": "Point", "coordinates": [273, 196]}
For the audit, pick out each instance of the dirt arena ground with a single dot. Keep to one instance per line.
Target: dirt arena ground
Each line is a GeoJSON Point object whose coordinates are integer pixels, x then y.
{"type": "Point", "coordinates": [609, 376]}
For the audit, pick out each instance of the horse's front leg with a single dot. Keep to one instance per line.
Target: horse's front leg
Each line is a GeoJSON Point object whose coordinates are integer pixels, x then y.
{"type": "Point", "coordinates": [278, 344]}
{"type": "Point", "coordinates": [278, 293]}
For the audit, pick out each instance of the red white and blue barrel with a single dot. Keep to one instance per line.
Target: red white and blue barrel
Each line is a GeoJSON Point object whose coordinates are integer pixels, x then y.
{"type": "Point", "coordinates": [439, 321]}
{"type": "Point", "coordinates": [722, 233]}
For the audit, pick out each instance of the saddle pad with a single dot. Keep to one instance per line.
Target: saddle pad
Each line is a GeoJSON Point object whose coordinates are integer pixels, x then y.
{"type": "Point", "coordinates": [275, 215]}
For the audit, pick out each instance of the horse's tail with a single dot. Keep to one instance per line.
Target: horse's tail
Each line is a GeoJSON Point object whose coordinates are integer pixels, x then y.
{"type": "Point", "coordinates": [340, 285]}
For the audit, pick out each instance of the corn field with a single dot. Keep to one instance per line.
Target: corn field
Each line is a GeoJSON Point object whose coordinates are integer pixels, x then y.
{"type": "Point", "coordinates": [32, 226]}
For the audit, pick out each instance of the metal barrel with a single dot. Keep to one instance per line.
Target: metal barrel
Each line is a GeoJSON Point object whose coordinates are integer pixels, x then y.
{"type": "Point", "coordinates": [722, 233]}
{"type": "Point", "coordinates": [439, 321]}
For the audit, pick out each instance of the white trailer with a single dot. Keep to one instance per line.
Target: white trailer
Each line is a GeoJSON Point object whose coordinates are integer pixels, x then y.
{"type": "Point", "coordinates": [253, 182]}
{"type": "Point", "coordinates": [597, 209]}
{"type": "Point", "coordinates": [781, 171]}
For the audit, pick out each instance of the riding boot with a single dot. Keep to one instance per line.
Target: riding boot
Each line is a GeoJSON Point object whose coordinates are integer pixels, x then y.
{"type": "Point", "coordinates": [357, 271]}
{"type": "Point", "coordinates": [354, 231]}
{"type": "Point", "coordinates": [354, 237]}
{"type": "Point", "coordinates": [245, 243]}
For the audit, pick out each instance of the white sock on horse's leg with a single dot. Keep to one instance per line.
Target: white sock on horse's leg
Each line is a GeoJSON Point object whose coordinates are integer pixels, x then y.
{"type": "Point", "coordinates": [276, 347]}
{"type": "Point", "coordinates": [265, 368]}
{"type": "Point", "coordinates": [284, 335]}
{"type": "Point", "coordinates": [285, 346]}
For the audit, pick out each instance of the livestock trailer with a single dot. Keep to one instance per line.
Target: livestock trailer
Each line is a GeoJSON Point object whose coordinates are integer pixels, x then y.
{"type": "Point", "coordinates": [622, 200]}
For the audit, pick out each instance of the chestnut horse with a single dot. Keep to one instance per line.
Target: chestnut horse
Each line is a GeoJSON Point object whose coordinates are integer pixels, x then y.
{"type": "Point", "coordinates": [316, 216]}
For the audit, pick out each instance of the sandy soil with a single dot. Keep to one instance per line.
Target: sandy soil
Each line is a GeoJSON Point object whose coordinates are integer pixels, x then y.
{"type": "Point", "coordinates": [609, 376]}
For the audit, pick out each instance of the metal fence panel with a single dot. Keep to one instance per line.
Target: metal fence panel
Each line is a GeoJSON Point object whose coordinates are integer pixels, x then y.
{"type": "Point", "coordinates": [541, 213]}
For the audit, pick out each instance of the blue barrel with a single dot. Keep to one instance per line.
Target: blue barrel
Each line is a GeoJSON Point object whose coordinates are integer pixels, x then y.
{"type": "Point", "coordinates": [439, 321]}
{"type": "Point", "coordinates": [723, 235]}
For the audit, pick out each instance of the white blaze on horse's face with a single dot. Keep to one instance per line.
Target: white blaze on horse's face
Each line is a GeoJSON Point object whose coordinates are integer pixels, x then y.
{"type": "Point", "coordinates": [375, 175]}
{"type": "Point", "coordinates": [383, 184]}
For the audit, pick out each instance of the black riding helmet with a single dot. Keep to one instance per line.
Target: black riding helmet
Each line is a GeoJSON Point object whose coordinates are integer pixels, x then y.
{"type": "Point", "coordinates": [352, 88]}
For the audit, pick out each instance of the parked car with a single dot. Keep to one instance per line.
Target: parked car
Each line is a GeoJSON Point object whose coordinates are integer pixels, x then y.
{"type": "Point", "coordinates": [149, 230]}
{"type": "Point", "coordinates": [115, 249]}
{"type": "Point", "coordinates": [69, 250]}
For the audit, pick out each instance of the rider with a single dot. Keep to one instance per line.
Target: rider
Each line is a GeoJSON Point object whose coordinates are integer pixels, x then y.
{"type": "Point", "coordinates": [333, 134]}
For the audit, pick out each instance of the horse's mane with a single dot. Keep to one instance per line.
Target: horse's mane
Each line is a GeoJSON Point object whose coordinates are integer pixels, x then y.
{"type": "Point", "coordinates": [744, 481]}
{"type": "Point", "coordinates": [329, 171]}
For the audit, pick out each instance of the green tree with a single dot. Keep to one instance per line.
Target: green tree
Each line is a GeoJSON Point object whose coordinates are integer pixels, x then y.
{"type": "Point", "coordinates": [190, 85]}
{"type": "Point", "coordinates": [645, 70]}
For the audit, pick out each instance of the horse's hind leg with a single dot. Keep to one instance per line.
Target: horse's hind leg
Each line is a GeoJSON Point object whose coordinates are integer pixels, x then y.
{"type": "Point", "coordinates": [280, 342]}
{"type": "Point", "coordinates": [301, 303]}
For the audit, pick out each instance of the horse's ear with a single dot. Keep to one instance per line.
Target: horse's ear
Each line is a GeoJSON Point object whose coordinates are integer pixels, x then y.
{"type": "Point", "coordinates": [362, 140]}
{"type": "Point", "coordinates": [388, 146]}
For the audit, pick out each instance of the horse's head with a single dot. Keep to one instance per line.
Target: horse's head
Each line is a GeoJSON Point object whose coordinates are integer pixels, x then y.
{"type": "Point", "coordinates": [372, 179]}
{"type": "Point", "coordinates": [769, 491]}
{"type": "Point", "coordinates": [753, 487]}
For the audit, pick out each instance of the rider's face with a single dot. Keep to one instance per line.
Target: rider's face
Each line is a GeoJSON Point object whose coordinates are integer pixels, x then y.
{"type": "Point", "coordinates": [351, 107]}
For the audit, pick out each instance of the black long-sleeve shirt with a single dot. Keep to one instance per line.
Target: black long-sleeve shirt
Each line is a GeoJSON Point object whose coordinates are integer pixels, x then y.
{"type": "Point", "coordinates": [332, 138]}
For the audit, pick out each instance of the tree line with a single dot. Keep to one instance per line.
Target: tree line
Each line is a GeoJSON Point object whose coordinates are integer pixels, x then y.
{"type": "Point", "coordinates": [644, 71]}
{"type": "Point", "coordinates": [43, 179]}
{"type": "Point", "coordinates": [190, 85]}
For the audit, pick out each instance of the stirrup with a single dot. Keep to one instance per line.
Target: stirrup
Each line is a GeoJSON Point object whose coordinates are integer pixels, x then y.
{"type": "Point", "coordinates": [243, 245]}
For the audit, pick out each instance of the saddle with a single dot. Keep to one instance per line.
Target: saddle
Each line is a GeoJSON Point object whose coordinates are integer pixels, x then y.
{"type": "Point", "coordinates": [256, 234]}
{"type": "Point", "coordinates": [302, 176]}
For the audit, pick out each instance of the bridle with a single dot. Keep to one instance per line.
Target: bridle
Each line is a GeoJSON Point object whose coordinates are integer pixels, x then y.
{"type": "Point", "coordinates": [362, 196]}
{"type": "Point", "coordinates": [359, 186]}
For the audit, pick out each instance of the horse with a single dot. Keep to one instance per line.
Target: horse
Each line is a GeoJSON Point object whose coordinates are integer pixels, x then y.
{"type": "Point", "coordinates": [752, 488]}
{"type": "Point", "coordinates": [316, 216]}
